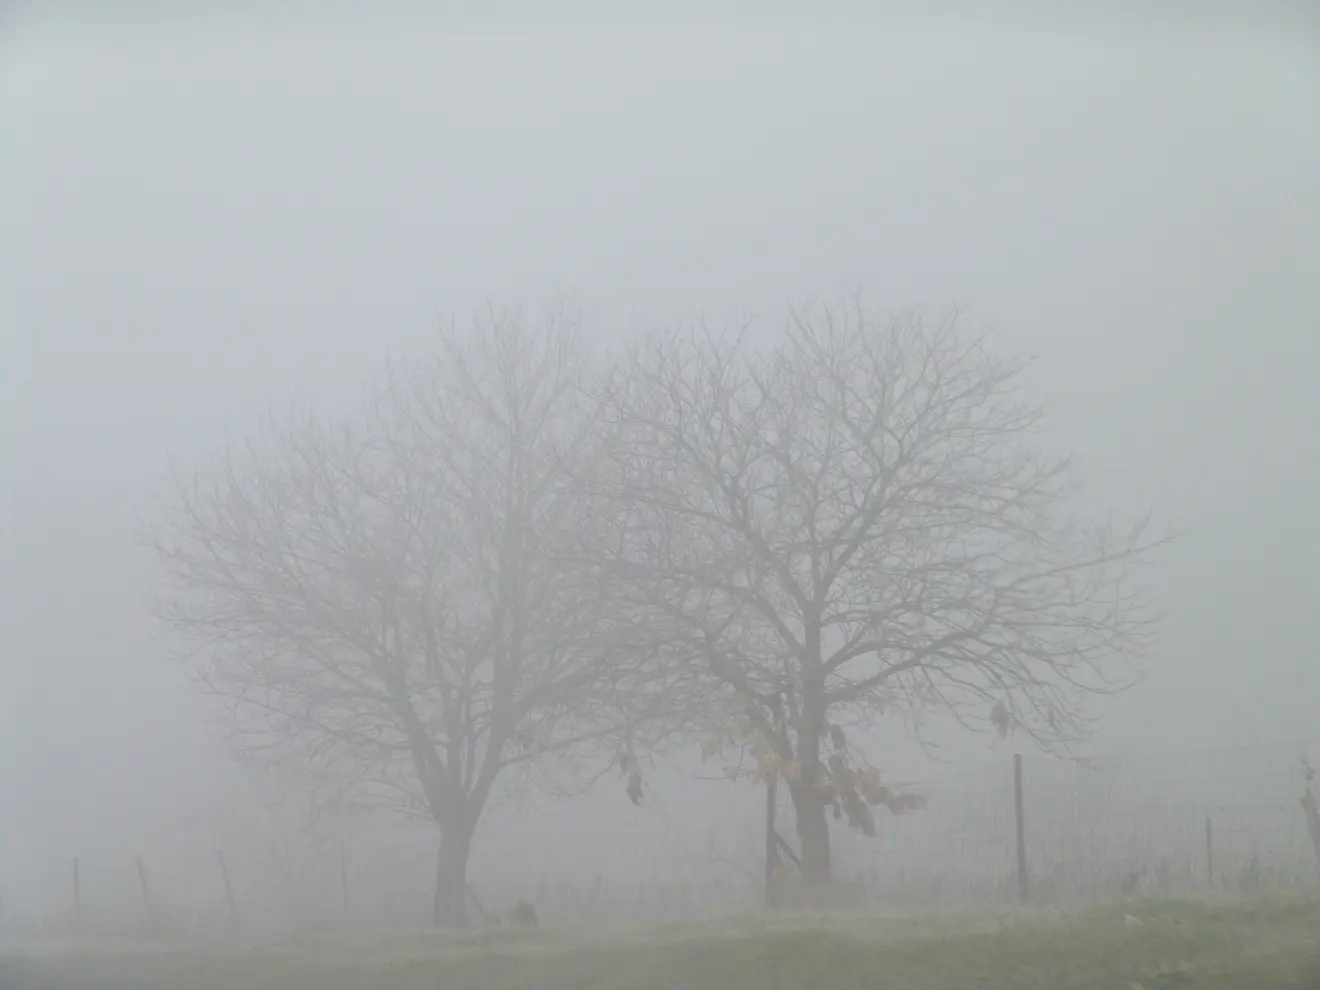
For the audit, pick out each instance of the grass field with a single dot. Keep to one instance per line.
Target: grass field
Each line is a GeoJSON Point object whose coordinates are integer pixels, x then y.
{"type": "Point", "coordinates": [1152, 946]}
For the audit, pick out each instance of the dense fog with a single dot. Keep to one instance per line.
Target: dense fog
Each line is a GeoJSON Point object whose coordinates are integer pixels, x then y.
{"type": "Point", "coordinates": [209, 220]}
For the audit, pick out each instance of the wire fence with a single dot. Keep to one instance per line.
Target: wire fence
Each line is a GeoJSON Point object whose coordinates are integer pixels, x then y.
{"type": "Point", "coordinates": [1044, 830]}
{"type": "Point", "coordinates": [1207, 821]}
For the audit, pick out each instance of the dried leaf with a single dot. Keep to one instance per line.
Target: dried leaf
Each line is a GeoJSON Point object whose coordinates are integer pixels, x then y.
{"type": "Point", "coordinates": [899, 803]}
{"type": "Point", "coordinates": [1002, 720]}
{"type": "Point", "coordinates": [871, 788]}
{"type": "Point", "coordinates": [635, 788]}
{"type": "Point", "coordinates": [837, 737]}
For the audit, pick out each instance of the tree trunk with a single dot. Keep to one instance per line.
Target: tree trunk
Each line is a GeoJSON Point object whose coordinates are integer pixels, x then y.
{"type": "Point", "coordinates": [449, 909]}
{"type": "Point", "coordinates": [813, 829]}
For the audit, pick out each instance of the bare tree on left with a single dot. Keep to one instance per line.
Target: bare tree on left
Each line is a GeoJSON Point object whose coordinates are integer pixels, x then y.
{"type": "Point", "coordinates": [385, 604]}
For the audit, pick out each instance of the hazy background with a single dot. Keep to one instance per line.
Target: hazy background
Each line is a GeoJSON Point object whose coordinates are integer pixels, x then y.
{"type": "Point", "coordinates": [205, 217]}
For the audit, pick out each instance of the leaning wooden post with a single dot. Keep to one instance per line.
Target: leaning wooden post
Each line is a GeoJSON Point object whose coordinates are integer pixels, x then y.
{"type": "Point", "coordinates": [1023, 884]}
{"type": "Point", "coordinates": [229, 890]}
{"type": "Point", "coordinates": [146, 892]}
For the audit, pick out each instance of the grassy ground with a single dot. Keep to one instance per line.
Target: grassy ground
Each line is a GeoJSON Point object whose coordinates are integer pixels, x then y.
{"type": "Point", "coordinates": [1188, 946]}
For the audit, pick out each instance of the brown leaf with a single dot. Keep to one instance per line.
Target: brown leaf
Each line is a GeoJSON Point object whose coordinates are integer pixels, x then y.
{"type": "Point", "coordinates": [871, 788]}
{"type": "Point", "coordinates": [859, 815]}
{"type": "Point", "coordinates": [1002, 720]}
{"type": "Point", "coordinates": [900, 803]}
{"type": "Point", "coordinates": [837, 737]}
{"type": "Point", "coordinates": [635, 788]}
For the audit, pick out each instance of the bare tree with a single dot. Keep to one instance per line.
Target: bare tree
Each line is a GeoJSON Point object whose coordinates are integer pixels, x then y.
{"type": "Point", "coordinates": [381, 603]}
{"type": "Point", "coordinates": [853, 521]}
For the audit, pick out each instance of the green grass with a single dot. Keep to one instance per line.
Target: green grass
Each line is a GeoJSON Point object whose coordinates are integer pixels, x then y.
{"type": "Point", "coordinates": [1267, 946]}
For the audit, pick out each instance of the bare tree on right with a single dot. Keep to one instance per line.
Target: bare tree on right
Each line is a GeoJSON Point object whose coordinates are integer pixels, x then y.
{"type": "Point", "coordinates": [859, 519]}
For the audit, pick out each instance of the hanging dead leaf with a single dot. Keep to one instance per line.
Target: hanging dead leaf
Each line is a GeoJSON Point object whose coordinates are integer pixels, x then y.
{"type": "Point", "coordinates": [872, 790]}
{"type": "Point", "coordinates": [899, 803]}
{"type": "Point", "coordinates": [1001, 719]}
{"type": "Point", "coordinates": [859, 814]}
{"type": "Point", "coordinates": [837, 737]}
{"type": "Point", "coordinates": [635, 788]}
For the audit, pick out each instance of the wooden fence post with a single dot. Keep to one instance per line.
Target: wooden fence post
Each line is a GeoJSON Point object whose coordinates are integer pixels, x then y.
{"type": "Point", "coordinates": [229, 890]}
{"type": "Point", "coordinates": [1019, 813]}
{"type": "Point", "coordinates": [343, 880]}
{"type": "Point", "coordinates": [77, 894]}
{"type": "Point", "coordinates": [1209, 853]}
{"type": "Point", "coordinates": [146, 892]}
{"type": "Point", "coordinates": [771, 846]}
{"type": "Point", "coordinates": [1312, 812]}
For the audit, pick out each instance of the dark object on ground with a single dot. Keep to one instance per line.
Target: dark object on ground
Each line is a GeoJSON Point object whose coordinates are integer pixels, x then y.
{"type": "Point", "coordinates": [523, 915]}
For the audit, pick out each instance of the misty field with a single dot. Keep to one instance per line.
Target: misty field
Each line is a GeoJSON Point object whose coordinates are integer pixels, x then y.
{"type": "Point", "coordinates": [1258, 946]}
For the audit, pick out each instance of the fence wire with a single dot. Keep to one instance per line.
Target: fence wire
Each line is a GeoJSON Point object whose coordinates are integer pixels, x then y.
{"type": "Point", "coordinates": [1219, 821]}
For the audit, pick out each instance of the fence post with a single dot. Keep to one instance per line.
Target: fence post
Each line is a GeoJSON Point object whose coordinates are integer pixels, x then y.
{"type": "Point", "coordinates": [1312, 812]}
{"type": "Point", "coordinates": [343, 879]}
{"type": "Point", "coordinates": [1023, 886]}
{"type": "Point", "coordinates": [77, 895]}
{"type": "Point", "coordinates": [771, 847]}
{"type": "Point", "coordinates": [1209, 853]}
{"type": "Point", "coordinates": [229, 890]}
{"type": "Point", "coordinates": [146, 892]}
